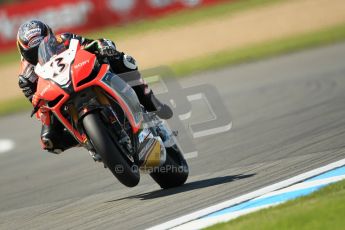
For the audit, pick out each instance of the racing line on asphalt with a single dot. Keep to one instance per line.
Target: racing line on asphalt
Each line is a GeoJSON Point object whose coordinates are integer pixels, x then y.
{"type": "Point", "coordinates": [6, 145]}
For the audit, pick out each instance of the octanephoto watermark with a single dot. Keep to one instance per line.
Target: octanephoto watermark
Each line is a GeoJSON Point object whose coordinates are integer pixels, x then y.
{"type": "Point", "coordinates": [159, 169]}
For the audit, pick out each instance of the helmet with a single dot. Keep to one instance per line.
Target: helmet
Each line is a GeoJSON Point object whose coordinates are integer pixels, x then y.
{"type": "Point", "coordinates": [29, 36]}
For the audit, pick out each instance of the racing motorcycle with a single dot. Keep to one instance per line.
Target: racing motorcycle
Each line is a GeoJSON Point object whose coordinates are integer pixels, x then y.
{"type": "Point", "coordinates": [103, 113]}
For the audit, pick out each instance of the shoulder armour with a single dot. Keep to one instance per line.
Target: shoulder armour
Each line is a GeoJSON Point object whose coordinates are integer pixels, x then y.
{"type": "Point", "coordinates": [129, 62]}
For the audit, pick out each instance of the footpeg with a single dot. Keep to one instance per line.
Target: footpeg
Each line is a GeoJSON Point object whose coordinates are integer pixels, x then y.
{"type": "Point", "coordinates": [95, 156]}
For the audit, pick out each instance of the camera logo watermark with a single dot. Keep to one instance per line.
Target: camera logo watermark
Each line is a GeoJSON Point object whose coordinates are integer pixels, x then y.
{"type": "Point", "coordinates": [191, 123]}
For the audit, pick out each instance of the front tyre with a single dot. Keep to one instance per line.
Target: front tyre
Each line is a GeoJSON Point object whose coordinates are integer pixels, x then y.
{"type": "Point", "coordinates": [174, 172]}
{"type": "Point", "coordinates": [124, 170]}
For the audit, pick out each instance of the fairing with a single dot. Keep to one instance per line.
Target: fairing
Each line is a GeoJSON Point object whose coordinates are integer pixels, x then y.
{"type": "Point", "coordinates": [48, 90]}
{"type": "Point", "coordinates": [83, 66]}
{"type": "Point", "coordinates": [49, 48]}
{"type": "Point", "coordinates": [125, 94]}
{"type": "Point", "coordinates": [61, 69]}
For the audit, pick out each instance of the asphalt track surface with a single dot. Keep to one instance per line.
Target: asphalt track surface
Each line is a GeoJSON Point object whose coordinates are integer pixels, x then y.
{"type": "Point", "coordinates": [288, 117]}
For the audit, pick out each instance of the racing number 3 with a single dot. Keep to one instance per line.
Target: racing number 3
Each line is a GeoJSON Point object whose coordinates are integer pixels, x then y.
{"type": "Point", "coordinates": [58, 64]}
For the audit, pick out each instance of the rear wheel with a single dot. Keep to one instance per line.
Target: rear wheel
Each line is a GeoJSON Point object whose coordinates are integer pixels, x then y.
{"type": "Point", "coordinates": [174, 172]}
{"type": "Point", "coordinates": [123, 169]}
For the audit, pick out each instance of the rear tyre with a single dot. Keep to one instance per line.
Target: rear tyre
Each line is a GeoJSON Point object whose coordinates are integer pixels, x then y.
{"type": "Point", "coordinates": [124, 170]}
{"type": "Point", "coordinates": [174, 172]}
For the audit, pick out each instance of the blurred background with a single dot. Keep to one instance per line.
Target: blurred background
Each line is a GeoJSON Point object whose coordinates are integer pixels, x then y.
{"type": "Point", "coordinates": [187, 35]}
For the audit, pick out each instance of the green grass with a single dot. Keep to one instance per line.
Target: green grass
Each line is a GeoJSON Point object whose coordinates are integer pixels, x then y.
{"type": "Point", "coordinates": [9, 57]}
{"type": "Point", "coordinates": [14, 105]}
{"type": "Point", "coordinates": [324, 209]}
{"type": "Point", "coordinates": [259, 51]}
{"type": "Point", "coordinates": [173, 20]}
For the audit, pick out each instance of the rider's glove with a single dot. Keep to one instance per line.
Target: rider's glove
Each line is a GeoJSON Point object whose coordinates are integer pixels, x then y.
{"type": "Point", "coordinates": [106, 48]}
{"type": "Point", "coordinates": [28, 83]}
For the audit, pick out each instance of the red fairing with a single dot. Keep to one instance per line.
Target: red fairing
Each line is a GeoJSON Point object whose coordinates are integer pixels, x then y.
{"type": "Point", "coordinates": [83, 64]}
{"type": "Point", "coordinates": [48, 90]}
{"type": "Point", "coordinates": [97, 82]}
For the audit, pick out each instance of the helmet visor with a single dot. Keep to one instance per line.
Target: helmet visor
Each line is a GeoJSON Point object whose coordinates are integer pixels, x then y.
{"type": "Point", "coordinates": [49, 48]}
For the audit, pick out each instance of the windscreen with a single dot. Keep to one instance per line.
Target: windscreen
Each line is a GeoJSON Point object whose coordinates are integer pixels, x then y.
{"type": "Point", "coordinates": [126, 93]}
{"type": "Point", "coordinates": [49, 48]}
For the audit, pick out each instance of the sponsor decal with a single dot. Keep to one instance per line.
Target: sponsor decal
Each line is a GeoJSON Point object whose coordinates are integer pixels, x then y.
{"type": "Point", "coordinates": [44, 91]}
{"type": "Point", "coordinates": [166, 3]}
{"type": "Point", "coordinates": [35, 41]}
{"type": "Point", "coordinates": [32, 33]}
{"type": "Point", "coordinates": [80, 15]}
{"type": "Point", "coordinates": [58, 38]}
{"type": "Point", "coordinates": [81, 64]}
{"type": "Point", "coordinates": [121, 6]}
{"type": "Point", "coordinates": [191, 3]}
{"type": "Point", "coordinates": [71, 14]}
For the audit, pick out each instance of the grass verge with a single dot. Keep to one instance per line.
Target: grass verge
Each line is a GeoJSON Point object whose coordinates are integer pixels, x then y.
{"type": "Point", "coordinates": [323, 209]}
{"type": "Point", "coordinates": [230, 57]}
{"type": "Point", "coordinates": [177, 19]}
{"type": "Point", "coordinates": [14, 105]}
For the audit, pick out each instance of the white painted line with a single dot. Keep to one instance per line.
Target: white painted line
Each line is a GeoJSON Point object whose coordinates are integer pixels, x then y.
{"type": "Point", "coordinates": [303, 185]}
{"type": "Point", "coordinates": [6, 145]}
{"type": "Point", "coordinates": [185, 116]}
{"type": "Point", "coordinates": [213, 131]}
{"type": "Point", "coordinates": [156, 79]}
{"type": "Point", "coordinates": [212, 220]}
{"type": "Point", "coordinates": [152, 79]}
{"type": "Point", "coordinates": [260, 192]}
{"type": "Point", "coordinates": [190, 155]}
{"type": "Point", "coordinates": [195, 97]}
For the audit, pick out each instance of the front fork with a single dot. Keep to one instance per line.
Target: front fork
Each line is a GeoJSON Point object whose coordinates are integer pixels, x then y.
{"type": "Point", "coordinates": [92, 104]}
{"type": "Point", "coordinates": [126, 144]}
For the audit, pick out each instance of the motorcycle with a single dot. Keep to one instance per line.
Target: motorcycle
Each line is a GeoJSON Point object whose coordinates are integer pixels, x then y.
{"type": "Point", "coordinates": [103, 113]}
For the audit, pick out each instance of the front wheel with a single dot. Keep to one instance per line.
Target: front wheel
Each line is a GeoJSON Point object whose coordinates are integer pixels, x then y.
{"type": "Point", "coordinates": [174, 172]}
{"type": "Point", "coordinates": [124, 170]}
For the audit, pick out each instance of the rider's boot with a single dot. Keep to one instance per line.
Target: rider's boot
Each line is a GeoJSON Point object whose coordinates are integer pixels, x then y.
{"type": "Point", "coordinates": [162, 110]}
{"type": "Point", "coordinates": [152, 103]}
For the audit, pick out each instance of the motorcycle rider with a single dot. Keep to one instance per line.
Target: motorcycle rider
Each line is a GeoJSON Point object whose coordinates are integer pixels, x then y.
{"type": "Point", "coordinates": [54, 137]}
